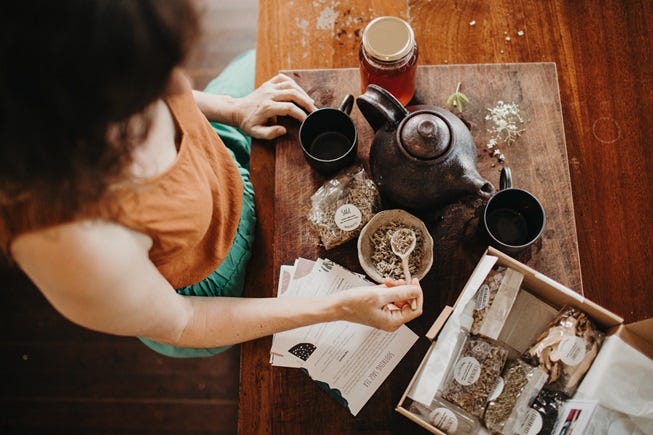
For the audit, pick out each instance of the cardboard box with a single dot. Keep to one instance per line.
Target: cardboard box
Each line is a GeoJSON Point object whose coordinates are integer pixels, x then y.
{"type": "Point", "coordinates": [639, 335]}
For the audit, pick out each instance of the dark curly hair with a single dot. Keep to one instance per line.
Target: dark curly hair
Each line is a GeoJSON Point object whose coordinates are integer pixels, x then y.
{"type": "Point", "coordinates": [68, 70]}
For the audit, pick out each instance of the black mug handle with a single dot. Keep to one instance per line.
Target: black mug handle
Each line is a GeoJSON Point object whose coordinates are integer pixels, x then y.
{"type": "Point", "coordinates": [347, 104]}
{"type": "Point", "coordinates": [505, 181]}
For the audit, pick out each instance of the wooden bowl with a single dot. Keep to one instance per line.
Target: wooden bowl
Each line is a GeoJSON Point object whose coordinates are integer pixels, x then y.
{"type": "Point", "coordinates": [401, 217]}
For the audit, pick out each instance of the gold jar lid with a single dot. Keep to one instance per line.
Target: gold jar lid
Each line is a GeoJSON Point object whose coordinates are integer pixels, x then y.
{"type": "Point", "coordinates": [388, 38]}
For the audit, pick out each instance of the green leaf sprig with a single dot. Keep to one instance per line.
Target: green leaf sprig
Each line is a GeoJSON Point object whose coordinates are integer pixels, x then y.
{"type": "Point", "coordinates": [458, 99]}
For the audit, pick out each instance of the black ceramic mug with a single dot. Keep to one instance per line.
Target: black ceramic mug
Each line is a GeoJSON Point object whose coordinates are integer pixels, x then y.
{"type": "Point", "coordinates": [513, 218]}
{"type": "Point", "coordinates": [329, 139]}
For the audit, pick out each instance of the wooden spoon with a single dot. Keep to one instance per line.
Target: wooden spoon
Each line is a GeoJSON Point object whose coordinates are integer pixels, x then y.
{"type": "Point", "coordinates": [403, 243]}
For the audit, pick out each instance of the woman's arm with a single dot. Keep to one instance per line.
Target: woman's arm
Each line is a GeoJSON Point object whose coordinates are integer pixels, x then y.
{"type": "Point", "coordinates": [244, 319]}
{"type": "Point", "coordinates": [256, 114]}
{"type": "Point", "coordinates": [98, 275]}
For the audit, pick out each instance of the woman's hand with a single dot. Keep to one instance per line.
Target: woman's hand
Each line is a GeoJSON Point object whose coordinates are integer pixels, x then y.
{"type": "Point", "coordinates": [385, 306]}
{"type": "Point", "coordinates": [256, 114]}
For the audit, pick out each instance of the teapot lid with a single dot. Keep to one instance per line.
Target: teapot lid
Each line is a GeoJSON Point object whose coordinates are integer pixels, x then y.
{"type": "Point", "coordinates": [425, 135]}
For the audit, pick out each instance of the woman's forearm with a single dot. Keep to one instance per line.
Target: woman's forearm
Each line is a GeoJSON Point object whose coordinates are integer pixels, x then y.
{"type": "Point", "coordinates": [227, 321]}
{"type": "Point", "coordinates": [218, 108]}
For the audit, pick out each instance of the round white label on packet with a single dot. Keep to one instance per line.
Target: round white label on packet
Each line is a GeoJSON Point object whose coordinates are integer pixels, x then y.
{"type": "Point", "coordinates": [531, 424]}
{"type": "Point", "coordinates": [348, 217]}
{"type": "Point", "coordinates": [497, 389]}
{"type": "Point", "coordinates": [482, 297]}
{"type": "Point", "coordinates": [467, 371]}
{"type": "Point", "coordinates": [571, 350]}
{"type": "Point", "coordinates": [444, 419]}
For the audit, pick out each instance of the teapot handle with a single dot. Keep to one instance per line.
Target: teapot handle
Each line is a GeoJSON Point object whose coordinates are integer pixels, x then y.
{"type": "Point", "coordinates": [380, 107]}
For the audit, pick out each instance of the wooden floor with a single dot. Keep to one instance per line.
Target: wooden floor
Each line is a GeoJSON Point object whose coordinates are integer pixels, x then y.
{"type": "Point", "coordinates": [59, 378]}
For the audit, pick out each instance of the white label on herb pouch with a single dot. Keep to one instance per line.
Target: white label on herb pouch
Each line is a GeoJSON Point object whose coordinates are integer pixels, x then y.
{"type": "Point", "coordinates": [571, 350]}
{"type": "Point", "coordinates": [348, 217]}
{"type": "Point", "coordinates": [467, 371]}
{"type": "Point", "coordinates": [497, 389]}
{"type": "Point", "coordinates": [532, 423]}
{"type": "Point", "coordinates": [444, 419]}
{"type": "Point", "coordinates": [482, 297]}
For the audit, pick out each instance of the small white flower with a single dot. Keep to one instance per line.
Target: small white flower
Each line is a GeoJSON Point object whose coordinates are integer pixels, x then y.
{"type": "Point", "coordinates": [505, 119]}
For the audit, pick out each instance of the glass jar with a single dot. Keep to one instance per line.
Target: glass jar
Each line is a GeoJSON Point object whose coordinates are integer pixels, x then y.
{"type": "Point", "coordinates": [388, 57]}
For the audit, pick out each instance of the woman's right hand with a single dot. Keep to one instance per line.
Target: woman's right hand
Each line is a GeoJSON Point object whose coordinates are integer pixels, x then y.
{"type": "Point", "coordinates": [257, 113]}
{"type": "Point", "coordinates": [386, 306]}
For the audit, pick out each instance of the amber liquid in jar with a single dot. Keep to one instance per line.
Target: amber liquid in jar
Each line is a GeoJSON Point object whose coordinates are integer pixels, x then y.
{"type": "Point", "coordinates": [388, 57]}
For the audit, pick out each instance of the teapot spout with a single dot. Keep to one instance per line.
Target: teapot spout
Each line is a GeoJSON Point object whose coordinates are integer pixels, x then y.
{"type": "Point", "coordinates": [380, 107]}
{"type": "Point", "coordinates": [474, 183]}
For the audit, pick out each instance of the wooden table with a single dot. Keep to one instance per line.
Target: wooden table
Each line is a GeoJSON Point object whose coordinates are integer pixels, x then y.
{"type": "Point", "coordinates": [603, 58]}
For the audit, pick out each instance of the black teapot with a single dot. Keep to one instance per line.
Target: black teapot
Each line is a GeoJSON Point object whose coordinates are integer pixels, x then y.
{"type": "Point", "coordinates": [421, 157]}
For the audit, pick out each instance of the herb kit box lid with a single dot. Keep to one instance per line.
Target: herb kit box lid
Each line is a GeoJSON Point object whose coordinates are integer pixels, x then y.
{"type": "Point", "coordinates": [537, 303]}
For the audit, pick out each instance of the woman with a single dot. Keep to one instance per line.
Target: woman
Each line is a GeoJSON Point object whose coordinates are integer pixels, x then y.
{"type": "Point", "coordinates": [118, 198]}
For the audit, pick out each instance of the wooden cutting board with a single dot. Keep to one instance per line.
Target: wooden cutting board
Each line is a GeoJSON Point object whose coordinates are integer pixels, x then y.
{"type": "Point", "coordinates": [538, 160]}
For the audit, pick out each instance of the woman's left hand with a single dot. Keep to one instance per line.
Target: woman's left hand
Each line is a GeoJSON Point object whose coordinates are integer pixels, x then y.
{"type": "Point", "coordinates": [257, 113]}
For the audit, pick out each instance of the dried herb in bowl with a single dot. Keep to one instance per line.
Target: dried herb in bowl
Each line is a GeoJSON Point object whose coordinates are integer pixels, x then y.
{"type": "Point", "coordinates": [384, 259]}
{"type": "Point", "coordinates": [375, 247]}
